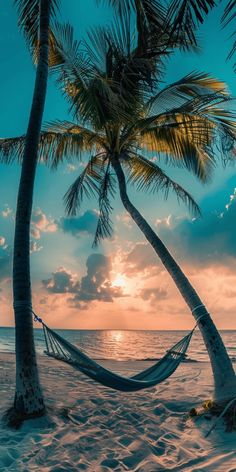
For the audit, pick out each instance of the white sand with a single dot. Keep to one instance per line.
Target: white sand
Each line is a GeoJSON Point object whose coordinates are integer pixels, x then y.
{"type": "Point", "coordinates": [107, 430]}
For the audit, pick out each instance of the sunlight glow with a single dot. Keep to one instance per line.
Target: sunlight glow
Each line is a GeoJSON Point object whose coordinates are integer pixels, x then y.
{"type": "Point", "coordinates": [119, 281]}
{"type": "Point", "coordinates": [117, 336]}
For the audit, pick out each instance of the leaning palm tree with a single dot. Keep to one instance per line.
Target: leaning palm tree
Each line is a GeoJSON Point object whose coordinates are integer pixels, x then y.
{"type": "Point", "coordinates": [119, 121]}
{"type": "Point", "coordinates": [34, 19]}
{"type": "Point", "coordinates": [120, 117]}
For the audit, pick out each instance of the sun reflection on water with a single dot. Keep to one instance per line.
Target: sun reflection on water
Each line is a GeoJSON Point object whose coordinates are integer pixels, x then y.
{"type": "Point", "coordinates": [115, 340]}
{"type": "Point", "coordinates": [117, 336]}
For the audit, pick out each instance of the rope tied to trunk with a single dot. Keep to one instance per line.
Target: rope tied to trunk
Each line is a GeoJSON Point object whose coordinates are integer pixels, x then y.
{"type": "Point", "coordinates": [37, 318]}
{"type": "Point", "coordinates": [22, 303]}
{"type": "Point", "coordinates": [27, 304]}
{"type": "Point", "coordinates": [201, 316]}
{"type": "Point", "coordinates": [198, 306]}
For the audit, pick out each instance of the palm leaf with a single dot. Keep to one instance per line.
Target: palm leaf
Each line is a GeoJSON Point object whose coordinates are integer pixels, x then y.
{"type": "Point", "coordinates": [65, 55]}
{"type": "Point", "coordinates": [184, 16]}
{"type": "Point", "coordinates": [29, 16]}
{"type": "Point", "coordinates": [148, 176]}
{"type": "Point", "coordinates": [211, 107]}
{"type": "Point", "coordinates": [186, 134]}
{"type": "Point", "coordinates": [229, 12]}
{"type": "Point", "coordinates": [89, 90]}
{"type": "Point", "coordinates": [87, 184]}
{"type": "Point", "coordinates": [62, 140]}
{"type": "Point", "coordinates": [12, 149]}
{"type": "Point", "coordinates": [112, 51]}
{"type": "Point", "coordinates": [107, 189]}
{"type": "Point", "coordinates": [59, 140]}
{"type": "Point", "coordinates": [194, 84]}
{"type": "Point", "coordinates": [151, 16]}
{"type": "Point", "coordinates": [181, 148]}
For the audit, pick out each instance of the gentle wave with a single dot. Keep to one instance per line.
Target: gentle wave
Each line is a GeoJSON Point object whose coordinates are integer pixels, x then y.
{"type": "Point", "coordinates": [125, 345]}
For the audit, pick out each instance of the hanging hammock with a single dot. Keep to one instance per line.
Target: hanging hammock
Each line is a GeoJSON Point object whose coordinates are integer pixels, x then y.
{"type": "Point", "coordinates": [62, 350]}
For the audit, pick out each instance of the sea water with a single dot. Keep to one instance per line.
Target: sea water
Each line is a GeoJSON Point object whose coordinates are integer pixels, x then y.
{"type": "Point", "coordinates": [124, 345]}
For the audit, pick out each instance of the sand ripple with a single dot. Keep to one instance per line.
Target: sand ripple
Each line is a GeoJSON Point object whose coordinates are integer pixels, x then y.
{"type": "Point", "coordinates": [95, 429]}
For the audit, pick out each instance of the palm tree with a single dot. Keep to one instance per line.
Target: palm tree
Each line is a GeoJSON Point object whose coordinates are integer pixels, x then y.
{"type": "Point", "coordinates": [121, 114]}
{"type": "Point", "coordinates": [34, 19]}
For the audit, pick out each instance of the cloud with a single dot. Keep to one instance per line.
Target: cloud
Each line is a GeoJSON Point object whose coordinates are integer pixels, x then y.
{"type": "Point", "coordinates": [35, 233]}
{"type": "Point", "coordinates": [70, 168]}
{"type": "Point", "coordinates": [206, 240]}
{"type": "Point", "coordinates": [77, 226]}
{"type": "Point", "coordinates": [94, 286]}
{"type": "Point", "coordinates": [203, 241]}
{"type": "Point", "coordinates": [2, 241]}
{"type": "Point", "coordinates": [140, 258]}
{"type": "Point", "coordinates": [165, 221]}
{"type": "Point", "coordinates": [40, 223]}
{"type": "Point", "coordinates": [35, 247]}
{"type": "Point", "coordinates": [153, 294]}
{"type": "Point", "coordinates": [125, 219]}
{"type": "Point", "coordinates": [5, 261]}
{"type": "Point", "coordinates": [62, 281]}
{"type": "Point", "coordinates": [85, 223]}
{"type": "Point", "coordinates": [7, 211]}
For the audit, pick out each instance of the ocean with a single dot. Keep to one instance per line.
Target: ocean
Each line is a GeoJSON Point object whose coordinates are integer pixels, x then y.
{"type": "Point", "coordinates": [124, 345]}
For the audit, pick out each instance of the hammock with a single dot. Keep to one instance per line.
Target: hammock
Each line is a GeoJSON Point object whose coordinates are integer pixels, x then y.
{"type": "Point", "coordinates": [62, 350]}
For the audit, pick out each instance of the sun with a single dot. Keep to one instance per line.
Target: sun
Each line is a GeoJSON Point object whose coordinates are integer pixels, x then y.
{"type": "Point", "coordinates": [119, 281]}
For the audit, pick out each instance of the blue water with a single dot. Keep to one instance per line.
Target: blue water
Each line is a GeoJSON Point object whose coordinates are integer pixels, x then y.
{"type": "Point", "coordinates": [124, 345]}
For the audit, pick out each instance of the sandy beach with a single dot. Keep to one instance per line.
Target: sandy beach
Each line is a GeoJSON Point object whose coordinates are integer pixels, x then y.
{"type": "Point", "coordinates": [92, 428]}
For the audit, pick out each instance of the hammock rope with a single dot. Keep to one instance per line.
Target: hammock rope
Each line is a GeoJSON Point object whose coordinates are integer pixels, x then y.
{"type": "Point", "coordinates": [62, 350]}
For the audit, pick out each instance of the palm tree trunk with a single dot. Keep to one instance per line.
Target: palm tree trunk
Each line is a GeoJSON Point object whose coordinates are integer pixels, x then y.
{"type": "Point", "coordinates": [28, 395]}
{"type": "Point", "coordinates": [223, 372]}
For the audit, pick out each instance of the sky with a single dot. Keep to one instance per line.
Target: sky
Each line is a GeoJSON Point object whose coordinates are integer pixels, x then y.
{"type": "Point", "coordinates": [121, 284]}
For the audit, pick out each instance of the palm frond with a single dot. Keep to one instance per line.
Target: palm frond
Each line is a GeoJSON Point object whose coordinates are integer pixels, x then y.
{"type": "Point", "coordinates": [63, 139]}
{"type": "Point", "coordinates": [112, 51]}
{"type": "Point", "coordinates": [106, 191]}
{"type": "Point", "coordinates": [131, 73]}
{"type": "Point", "coordinates": [229, 12]}
{"type": "Point", "coordinates": [194, 84]}
{"type": "Point", "coordinates": [87, 87]}
{"type": "Point", "coordinates": [12, 149]}
{"type": "Point", "coordinates": [119, 37]}
{"type": "Point", "coordinates": [184, 16]}
{"type": "Point", "coordinates": [87, 184]}
{"type": "Point", "coordinates": [184, 145]}
{"type": "Point", "coordinates": [150, 24]}
{"type": "Point", "coordinates": [151, 15]}
{"type": "Point", "coordinates": [212, 107]}
{"type": "Point", "coordinates": [148, 176]}
{"type": "Point", "coordinates": [186, 134]}
{"type": "Point", "coordinates": [72, 67]}
{"type": "Point", "coordinates": [64, 51]}
{"type": "Point", "coordinates": [29, 17]}
{"type": "Point", "coordinates": [231, 54]}
{"type": "Point", "coordinates": [59, 141]}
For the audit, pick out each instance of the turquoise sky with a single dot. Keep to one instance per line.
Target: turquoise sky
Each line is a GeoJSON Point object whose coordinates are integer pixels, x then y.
{"type": "Point", "coordinates": [56, 246]}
